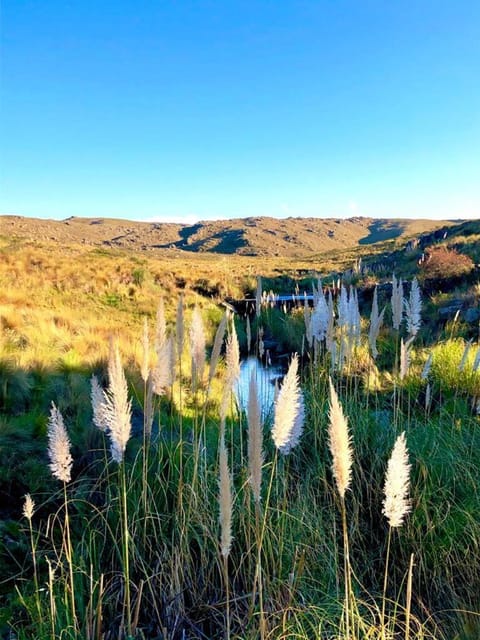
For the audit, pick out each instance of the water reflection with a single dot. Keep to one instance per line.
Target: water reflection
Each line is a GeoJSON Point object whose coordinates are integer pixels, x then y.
{"type": "Point", "coordinates": [265, 376]}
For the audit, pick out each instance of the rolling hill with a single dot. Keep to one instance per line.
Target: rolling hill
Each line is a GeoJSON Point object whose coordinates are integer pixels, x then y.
{"type": "Point", "coordinates": [252, 236]}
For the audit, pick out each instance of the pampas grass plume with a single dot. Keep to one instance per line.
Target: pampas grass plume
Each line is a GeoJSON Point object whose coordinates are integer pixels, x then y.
{"type": "Point", "coordinates": [289, 411]}
{"type": "Point", "coordinates": [404, 357]}
{"type": "Point", "coordinates": [397, 302]}
{"type": "Point", "coordinates": [225, 501]}
{"type": "Point", "coordinates": [161, 327]}
{"type": "Point", "coordinates": [164, 371]}
{"type": "Point", "coordinates": [427, 367]}
{"type": "Point", "coordinates": [217, 346]}
{"type": "Point", "coordinates": [28, 507]}
{"type": "Point", "coordinates": [413, 308]}
{"type": "Point", "coordinates": [180, 327]}
{"type": "Point", "coordinates": [117, 406]}
{"type": "Point", "coordinates": [396, 504]}
{"type": "Point", "coordinates": [376, 321]}
{"type": "Point", "coordinates": [145, 351]}
{"type": "Point", "coordinates": [340, 444]}
{"type": "Point", "coordinates": [258, 296]}
{"type": "Point", "coordinates": [97, 397]}
{"type": "Point", "coordinates": [59, 446]}
{"type": "Point", "coordinates": [255, 440]}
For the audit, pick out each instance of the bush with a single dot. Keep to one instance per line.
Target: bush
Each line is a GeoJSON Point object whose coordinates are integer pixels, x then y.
{"type": "Point", "coordinates": [442, 262]}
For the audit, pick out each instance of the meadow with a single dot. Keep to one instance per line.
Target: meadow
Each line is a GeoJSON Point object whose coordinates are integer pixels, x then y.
{"type": "Point", "coordinates": [156, 509]}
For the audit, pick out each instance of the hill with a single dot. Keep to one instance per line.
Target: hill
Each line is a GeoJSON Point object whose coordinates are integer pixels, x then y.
{"type": "Point", "coordinates": [253, 236]}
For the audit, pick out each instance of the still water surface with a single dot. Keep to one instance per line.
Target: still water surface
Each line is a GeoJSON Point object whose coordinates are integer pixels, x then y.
{"type": "Point", "coordinates": [265, 377]}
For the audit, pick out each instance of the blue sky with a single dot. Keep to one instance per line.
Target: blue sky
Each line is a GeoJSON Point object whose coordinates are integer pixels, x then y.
{"type": "Point", "coordinates": [183, 110]}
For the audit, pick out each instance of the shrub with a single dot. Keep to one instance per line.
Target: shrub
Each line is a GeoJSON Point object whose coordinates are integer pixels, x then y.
{"type": "Point", "coordinates": [442, 262]}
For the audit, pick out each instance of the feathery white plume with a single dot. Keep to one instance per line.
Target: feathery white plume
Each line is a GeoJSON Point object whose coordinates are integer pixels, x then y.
{"type": "Point", "coordinates": [342, 308]}
{"type": "Point", "coordinates": [289, 411]}
{"type": "Point", "coordinates": [97, 396]}
{"type": "Point", "coordinates": [28, 507]}
{"type": "Point", "coordinates": [59, 446]}
{"type": "Point", "coordinates": [145, 351]}
{"type": "Point", "coordinates": [225, 501]}
{"type": "Point", "coordinates": [476, 362]}
{"type": "Point", "coordinates": [413, 308]}
{"type": "Point", "coordinates": [163, 374]}
{"type": "Point", "coordinates": [161, 327]}
{"type": "Point", "coordinates": [320, 317]}
{"type": "Point", "coordinates": [396, 504]}
{"type": "Point", "coordinates": [397, 302]}
{"type": "Point", "coordinates": [179, 327]}
{"type": "Point", "coordinates": [404, 357]}
{"type": "Point", "coordinates": [376, 321]}
{"type": "Point", "coordinates": [258, 296]}
{"type": "Point", "coordinates": [217, 347]}
{"type": "Point", "coordinates": [427, 367]}
{"type": "Point", "coordinates": [340, 443]}
{"type": "Point", "coordinates": [117, 405]}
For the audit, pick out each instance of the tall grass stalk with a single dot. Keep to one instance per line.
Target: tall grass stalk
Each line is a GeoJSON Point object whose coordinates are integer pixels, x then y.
{"type": "Point", "coordinates": [340, 447]}
{"type": "Point", "coordinates": [225, 502]}
{"type": "Point", "coordinates": [395, 504]}
{"type": "Point", "coordinates": [28, 511]}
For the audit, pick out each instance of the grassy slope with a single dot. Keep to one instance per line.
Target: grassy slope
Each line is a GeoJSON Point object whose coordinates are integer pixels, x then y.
{"type": "Point", "coordinates": [57, 310]}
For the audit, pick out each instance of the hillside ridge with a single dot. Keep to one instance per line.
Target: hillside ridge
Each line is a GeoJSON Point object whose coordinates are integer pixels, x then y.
{"type": "Point", "coordinates": [250, 236]}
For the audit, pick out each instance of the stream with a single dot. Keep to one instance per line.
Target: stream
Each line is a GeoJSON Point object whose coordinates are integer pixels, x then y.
{"type": "Point", "coordinates": [265, 376]}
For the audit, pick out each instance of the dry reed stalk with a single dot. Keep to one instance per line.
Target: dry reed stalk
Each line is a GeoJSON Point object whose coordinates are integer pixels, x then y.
{"type": "Point", "coordinates": [197, 346]}
{"type": "Point", "coordinates": [397, 302]}
{"type": "Point", "coordinates": [117, 405]}
{"type": "Point", "coordinates": [255, 439]}
{"type": "Point", "coordinates": [289, 411]}
{"type": "Point", "coordinates": [59, 446]}
{"type": "Point", "coordinates": [413, 308]}
{"type": "Point", "coordinates": [396, 504]}
{"type": "Point", "coordinates": [340, 444]}
{"type": "Point", "coordinates": [217, 346]}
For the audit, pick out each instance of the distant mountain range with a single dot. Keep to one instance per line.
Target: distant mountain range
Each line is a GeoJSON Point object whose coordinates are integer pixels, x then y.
{"type": "Point", "coordinates": [254, 236]}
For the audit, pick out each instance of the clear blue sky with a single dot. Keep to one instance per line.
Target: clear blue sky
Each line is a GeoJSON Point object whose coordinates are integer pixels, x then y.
{"type": "Point", "coordinates": [193, 110]}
